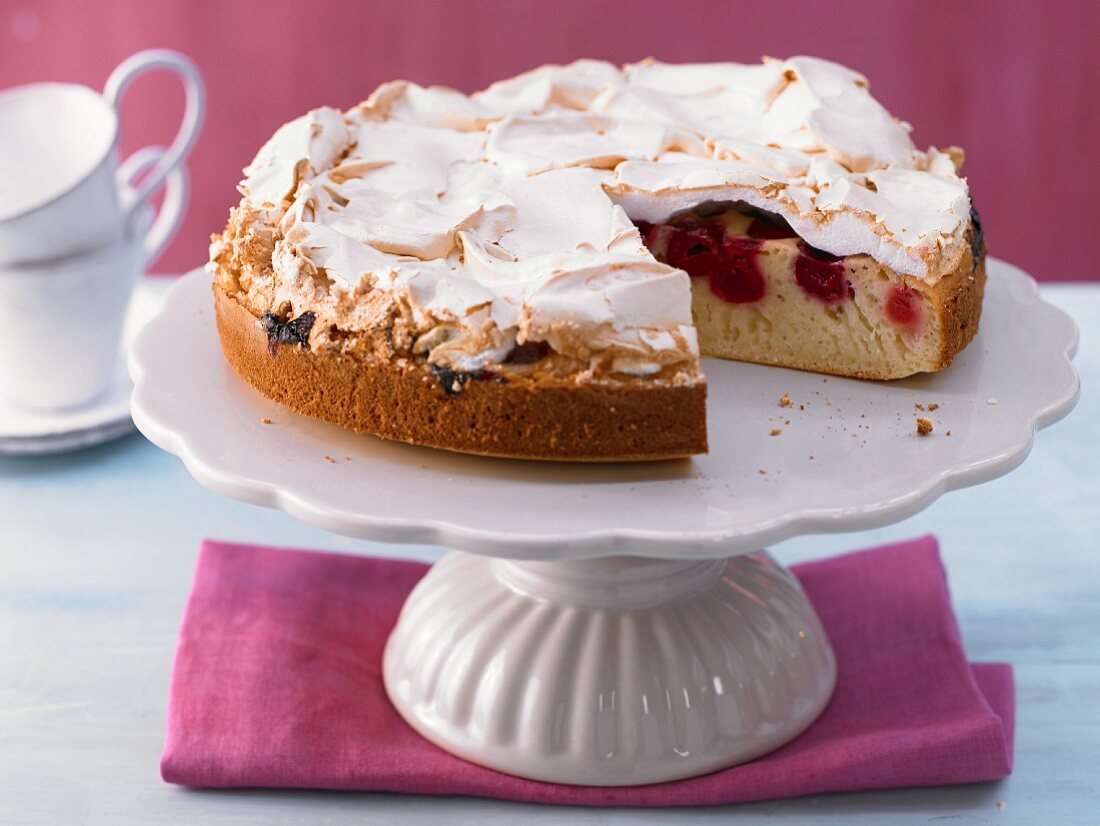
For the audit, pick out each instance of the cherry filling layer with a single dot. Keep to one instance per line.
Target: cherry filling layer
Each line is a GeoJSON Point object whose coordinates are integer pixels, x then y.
{"type": "Point", "coordinates": [702, 248]}
{"type": "Point", "coordinates": [903, 308]}
{"type": "Point", "coordinates": [821, 275]}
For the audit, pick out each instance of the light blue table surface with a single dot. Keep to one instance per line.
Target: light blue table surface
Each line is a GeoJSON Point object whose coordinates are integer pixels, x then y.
{"type": "Point", "coordinates": [97, 550]}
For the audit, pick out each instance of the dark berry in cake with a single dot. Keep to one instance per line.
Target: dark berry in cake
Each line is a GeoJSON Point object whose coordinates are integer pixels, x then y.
{"type": "Point", "coordinates": [287, 331]}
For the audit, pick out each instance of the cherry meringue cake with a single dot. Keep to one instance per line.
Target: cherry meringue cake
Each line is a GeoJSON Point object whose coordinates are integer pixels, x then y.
{"type": "Point", "coordinates": [535, 270]}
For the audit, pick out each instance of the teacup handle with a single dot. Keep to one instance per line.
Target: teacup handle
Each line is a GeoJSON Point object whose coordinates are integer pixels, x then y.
{"type": "Point", "coordinates": [194, 109]}
{"type": "Point", "coordinates": [171, 210]}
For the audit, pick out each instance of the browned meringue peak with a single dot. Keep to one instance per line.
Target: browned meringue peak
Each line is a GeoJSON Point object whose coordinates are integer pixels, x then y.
{"type": "Point", "coordinates": [298, 151]}
{"type": "Point", "coordinates": [434, 106]}
{"type": "Point", "coordinates": [551, 87]}
{"type": "Point", "coordinates": [425, 227]}
{"type": "Point", "coordinates": [526, 144]}
{"type": "Point", "coordinates": [402, 156]}
{"type": "Point", "coordinates": [806, 104]}
{"type": "Point", "coordinates": [512, 207]}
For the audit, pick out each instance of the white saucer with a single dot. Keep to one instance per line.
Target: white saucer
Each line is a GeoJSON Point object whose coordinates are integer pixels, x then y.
{"type": "Point", "coordinates": [25, 431]}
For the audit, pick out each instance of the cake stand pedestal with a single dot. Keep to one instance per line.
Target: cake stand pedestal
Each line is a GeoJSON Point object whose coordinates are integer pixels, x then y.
{"type": "Point", "coordinates": [618, 624]}
{"type": "Point", "coordinates": [613, 671]}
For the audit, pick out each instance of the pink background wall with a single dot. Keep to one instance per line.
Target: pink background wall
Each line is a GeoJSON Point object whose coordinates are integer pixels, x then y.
{"type": "Point", "coordinates": [1015, 83]}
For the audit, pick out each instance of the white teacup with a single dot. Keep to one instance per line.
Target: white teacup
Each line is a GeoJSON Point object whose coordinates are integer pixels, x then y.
{"type": "Point", "coordinates": [62, 320]}
{"type": "Point", "coordinates": [61, 193]}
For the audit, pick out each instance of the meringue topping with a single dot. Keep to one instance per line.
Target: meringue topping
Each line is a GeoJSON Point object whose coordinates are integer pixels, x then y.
{"type": "Point", "coordinates": [506, 216]}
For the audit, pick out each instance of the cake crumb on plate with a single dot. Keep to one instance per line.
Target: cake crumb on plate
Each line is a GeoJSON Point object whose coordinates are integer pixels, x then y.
{"type": "Point", "coordinates": [924, 426]}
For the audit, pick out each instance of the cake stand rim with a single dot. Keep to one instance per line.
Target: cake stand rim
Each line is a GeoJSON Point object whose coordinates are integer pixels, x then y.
{"type": "Point", "coordinates": [711, 543]}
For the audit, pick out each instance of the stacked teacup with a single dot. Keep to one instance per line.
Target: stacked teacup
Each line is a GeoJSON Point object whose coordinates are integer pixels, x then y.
{"type": "Point", "coordinates": [77, 229]}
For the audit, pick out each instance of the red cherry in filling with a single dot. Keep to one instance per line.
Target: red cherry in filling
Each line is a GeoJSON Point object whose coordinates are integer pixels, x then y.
{"type": "Point", "coordinates": [821, 274]}
{"type": "Point", "coordinates": [701, 249]}
{"type": "Point", "coordinates": [692, 250]}
{"type": "Point", "coordinates": [738, 279]}
{"type": "Point", "coordinates": [903, 308]}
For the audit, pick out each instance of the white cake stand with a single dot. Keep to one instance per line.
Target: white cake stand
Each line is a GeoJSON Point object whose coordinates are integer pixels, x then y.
{"type": "Point", "coordinates": [617, 624]}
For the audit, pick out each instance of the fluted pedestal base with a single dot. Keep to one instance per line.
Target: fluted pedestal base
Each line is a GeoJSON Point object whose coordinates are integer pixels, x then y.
{"type": "Point", "coordinates": [611, 672]}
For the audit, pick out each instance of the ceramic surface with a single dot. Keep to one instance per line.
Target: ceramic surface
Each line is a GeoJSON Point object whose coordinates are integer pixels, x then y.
{"type": "Point", "coordinates": [63, 320]}
{"type": "Point", "coordinates": [65, 193]}
{"type": "Point", "coordinates": [847, 458]}
{"type": "Point", "coordinates": [609, 672]}
{"type": "Point", "coordinates": [565, 659]}
{"type": "Point", "coordinates": [106, 417]}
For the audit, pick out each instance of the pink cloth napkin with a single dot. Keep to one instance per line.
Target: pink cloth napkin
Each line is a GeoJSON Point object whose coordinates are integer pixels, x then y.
{"type": "Point", "coordinates": [277, 684]}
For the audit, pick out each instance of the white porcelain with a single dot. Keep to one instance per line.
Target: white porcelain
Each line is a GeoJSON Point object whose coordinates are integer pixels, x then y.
{"type": "Point", "coordinates": [67, 442]}
{"type": "Point", "coordinates": [32, 432]}
{"type": "Point", "coordinates": [609, 672]}
{"type": "Point", "coordinates": [868, 465]}
{"type": "Point", "coordinates": [63, 320]}
{"type": "Point", "coordinates": [63, 191]}
{"type": "Point", "coordinates": [74, 440]}
{"type": "Point", "coordinates": [20, 424]}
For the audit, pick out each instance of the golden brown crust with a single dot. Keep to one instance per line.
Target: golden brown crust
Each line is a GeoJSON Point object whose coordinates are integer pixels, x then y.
{"type": "Point", "coordinates": [513, 417]}
{"type": "Point", "coordinates": [957, 298]}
